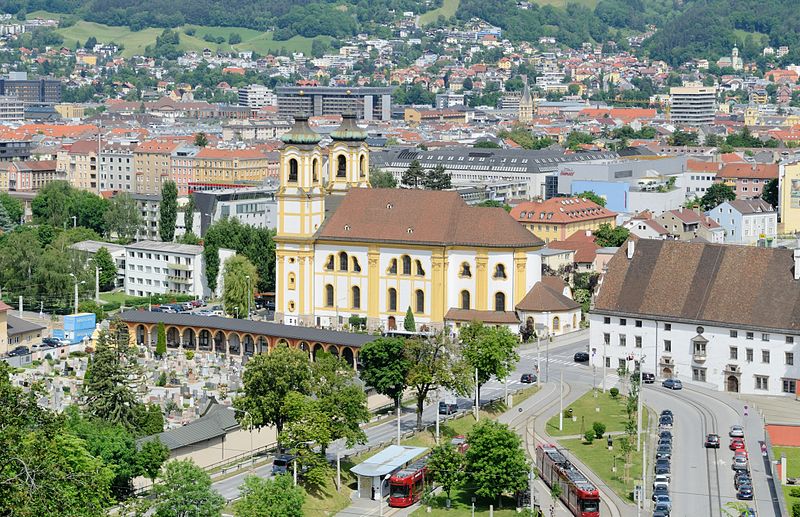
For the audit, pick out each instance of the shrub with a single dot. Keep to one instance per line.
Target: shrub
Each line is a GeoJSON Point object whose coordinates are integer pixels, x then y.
{"type": "Point", "coordinates": [599, 429]}
{"type": "Point", "coordinates": [794, 492]}
{"type": "Point", "coordinates": [190, 354]}
{"type": "Point", "coordinates": [162, 379]}
{"type": "Point", "coordinates": [796, 510]}
{"type": "Point", "coordinates": [614, 392]}
{"type": "Point", "coordinates": [567, 414]}
{"type": "Point", "coordinates": [588, 437]}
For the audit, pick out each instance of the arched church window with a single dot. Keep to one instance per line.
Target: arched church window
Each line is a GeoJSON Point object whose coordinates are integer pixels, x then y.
{"type": "Point", "coordinates": [341, 166]}
{"type": "Point", "coordinates": [293, 167]}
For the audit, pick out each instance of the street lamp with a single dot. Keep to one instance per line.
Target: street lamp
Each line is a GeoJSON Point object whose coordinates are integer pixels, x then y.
{"type": "Point", "coordinates": [249, 294]}
{"type": "Point", "coordinates": [642, 357]}
{"type": "Point", "coordinates": [248, 416]}
{"type": "Point", "coordinates": [76, 290]}
{"type": "Point", "coordinates": [74, 221]}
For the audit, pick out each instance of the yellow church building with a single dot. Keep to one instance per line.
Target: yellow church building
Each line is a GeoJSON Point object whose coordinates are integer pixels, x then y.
{"type": "Point", "coordinates": [344, 248]}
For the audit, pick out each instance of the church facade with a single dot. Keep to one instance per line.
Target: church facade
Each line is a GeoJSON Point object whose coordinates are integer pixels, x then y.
{"type": "Point", "coordinates": [344, 248]}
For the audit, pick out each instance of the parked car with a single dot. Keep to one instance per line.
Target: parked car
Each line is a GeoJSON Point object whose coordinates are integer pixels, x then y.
{"type": "Point", "coordinates": [52, 341]}
{"type": "Point", "coordinates": [660, 489]}
{"type": "Point", "coordinates": [664, 499]}
{"type": "Point", "coordinates": [282, 464]}
{"type": "Point", "coordinates": [197, 303]}
{"type": "Point", "coordinates": [527, 378]}
{"type": "Point", "coordinates": [460, 443]}
{"type": "Point", "coordinates": [737, 444]}
{"type": "Point", "coordinates": [664, 433]}
{"type": "Point", "coordinates": [581, 357]}
{"type": "Point", "coordinates": [204, 312]}
{"type": "Point", "coordinates": [662, 467]}
{"type": "Point", "coordinates": [20, 350]}
{"type": "Point", "coordinates": [673, 384]}
{"type": "Point", "coordinates": [661, 480]}
{"type": "Point", "coordinates": [736, 431]}
{"type": "Point", "coordinates": [745, 492]}
{"type": "Point", "coordinates": [665, 423]}
{"type": "Point", "coordinates": [667, 412]}
{"type": "Point", "coordinates": [664, 451]}
{"type": "Point", "coordinates": [712, 441]}
{"type": "Point", "coordinates": [648, 378]}
{"type": "Point", "coordinates": [447, 408]}
{"type": "Point", "coordinates": [661, 509]}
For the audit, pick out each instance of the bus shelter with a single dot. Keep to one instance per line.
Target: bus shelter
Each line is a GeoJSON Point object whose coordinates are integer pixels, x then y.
{"type": "Point", "coordinates": [373, 472]}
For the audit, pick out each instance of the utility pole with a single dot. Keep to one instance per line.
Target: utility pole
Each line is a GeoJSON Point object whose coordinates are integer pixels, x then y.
{"type": "Point", "coordinates": [561, 402]}
{"type": "Point", "coordinates": [74, 221]}
{"type": "Point", "coordinates": [97, 284]}
{"type": "Point", "coordinates": [398, 418]}
{"type": "Point", "coordinates": [644, 474]}
{"type": "Point", "coordinates": [547, 359]}
{"type": "Point", "coordinates": [437, 419]}
{"type": "Point", "coordinates": [249, 294]}
{"type": "Point", "coordinates": [604, 366]}
{"type": "Point", "coordinates": [338, 471]}
{"type": "Point", "coordinates": [639, 405]}
{"type": "Point", "coordinates": [477, 402]}
{"type": "Point", "coordinates": [76, 302]}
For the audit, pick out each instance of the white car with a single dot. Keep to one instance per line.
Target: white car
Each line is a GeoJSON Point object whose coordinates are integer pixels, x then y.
{"type": "Point", "coordinates": [736, 431]}
{"type": "Point", "coordinates": [661, 480]}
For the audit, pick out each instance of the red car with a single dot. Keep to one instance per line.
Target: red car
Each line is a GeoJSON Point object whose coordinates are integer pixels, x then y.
{"type": "Point", "coordinates": [737, 444]}
{"type": "Point", "coordinates": [460, 443]}
{"type": "Point", "coordinates": [740, 452]}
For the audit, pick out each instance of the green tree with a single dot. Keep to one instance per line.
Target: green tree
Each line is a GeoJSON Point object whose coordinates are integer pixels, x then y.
{"type": "Point", "coordinates": [716, 194]}
{"type": "Point", "coordinates": [607, 236]}
{"type": "Point", "coordinates": [382, 179]}
{"type": "Point", "coordinates": [414, 175]}
{"type": "Point", "coordinates": [408, 322]}
{"type": "Point", "coordinates": [152, 456]}
{"type": "Point", "coordinates": [6, 224]}
{"type": "Point", "coordinates": [493, 203]}
{"type": "Point", "coordinates": [161, 340]}
{"type": "Point", "coordinates": [123, 217]}
{"type": "Point", "coordinates": [577, 138]}
{"type": "Point", "coordinates": [435, 363]}
{"type": "Point", "coordinates": [185, 491]}
{"type": "Point", "coordinates": [437, 179]}
{"type": "Point", "coordinates": [168, 210]}
{"type": "Point", "coordinates": [54, 204]}
{"type": "Point", "coordinates": [385, 367]}
{"type": "Point", "coordinates": [275, 497]}
{"type": "Point", "coordinates": [93, 307]}
{"type": "Point", "coordinates": [188, 215]}
{"type": "Point", "coordinates": [238, 290]}
{"type": "Point", "coordinates": [200, 139]}
{"type": "Point", "coordinates": [149, 420]}
{"type": "Point", "coordinates": [683, 138]}
{"type": "Point", "coordinates": [45, 470]}
{"type": "Point", "coordinates": [770, 192]}
{"type": "Point", "coordinates": [90, 43]}
{"type": "Point", "coordinates": [234, 38]}
{"type": "Point", "coordinates": [591, 196]}
{"type": "Point", "coordinates": [109, 386]}
{"type": "Point", "coordinates": [341, 399]}
{"type": "Point", "coordinates": [269, 379]}
{"type": "Point", "coordinates": [495, 460]}
{"type": "Point", "coordinates": [108, 268]}
{"type": "Point", "coordinates": [490, 350]}
{"type": "Point", "coordinates": [254, 243]}
{"type": "Point", "coordinates": [13, 207]}
{"type": "Point", "coordinates": [485, 144]}
{"type": "Point", "coordinates": [446, 467]}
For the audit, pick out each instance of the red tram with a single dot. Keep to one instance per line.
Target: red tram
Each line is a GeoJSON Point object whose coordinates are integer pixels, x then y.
{"type": "Point", "coordinates": [407, 485]}
{"type": "Point", "coordinates": [577, 492]}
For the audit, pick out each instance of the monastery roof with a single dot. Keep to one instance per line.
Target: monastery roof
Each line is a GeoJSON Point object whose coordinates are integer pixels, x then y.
{"type": "Point", "coordinates": [560, 210]}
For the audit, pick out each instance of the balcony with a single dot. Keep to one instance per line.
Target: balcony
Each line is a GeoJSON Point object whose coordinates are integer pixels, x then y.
{"type": "Point", "coordinates": [699, 357]}
{"type": "Point", "coordinates": [179, 279]}
{"type": "Point", "coordinates": [180, 267]}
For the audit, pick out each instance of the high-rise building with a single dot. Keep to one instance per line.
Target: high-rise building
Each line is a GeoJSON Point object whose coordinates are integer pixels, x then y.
{"type": "Point", "coordinates": [257, 96]}
{"type": "Point", "coordinates": [31, 91]}
{"type": "Point", "coordinates": [693, 105]}
{"type": "Point", "coordinates": [368, 103]}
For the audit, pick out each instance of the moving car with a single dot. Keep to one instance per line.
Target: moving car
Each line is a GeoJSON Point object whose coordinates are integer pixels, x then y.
{"type": "Point", "coordinates": [736, 431]}
{"type": "Point", "coordinates": [737, 444]}
{"type": "Point", "coordinates": [745, 492]}
{"type": "Point", "coordinates": [664, 433]}
{"type": "Point", "coordinates": [282, 464]}
{"type": "Point", "coordinates": [527, 378]}
{"type": "Point", "coordinates": [712, 441]}
{"type": "Point", "coordinates": [662, 467]}
{"type": "Point", "coordinates": [648, 378]}
{"type": "Point", "coordinates": [667, 412]}
{"type": "Point", "coordinates": [581, 357]}
{"type": "Point", "coordinates": [447, 408]}
{"type": "Point", "coordinates": [673, 384]}
{"type": "Point", "coordinates": [742, 477]}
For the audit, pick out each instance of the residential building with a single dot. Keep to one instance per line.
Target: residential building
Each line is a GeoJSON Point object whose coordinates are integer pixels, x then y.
{"type": "Point", "coordinates": [79, 161]}
{"type": "Point", "coordinates": [558, 218]}
{"type": "Point", "coordinates": [368, 103]}
{"type": "Point", "coordinates": [257, 96]}
{"type": "Point", "coordinates": [789, 205]}
{"type": "Point", "coordinates": [11, 150]}
{"type": "Point", "coordinates": [383, 251]}
{"type": "Point", "coordinates": [747, 221]}
{"type": "Point", "coordinates": [32, 176]}
{"type": "Point", "coordinates": [685, 310]}
{"type": "Point", "coordinates": [116, 167]}
{"type": "Point", "coordinates": [747, 179]}
{"type": "Point", "coordinates": [31, 91]}
{"type": "Point", "coordinates": [584, 248]}
{"type": "Point", "coordinates": [151, 161]}
{"type": "Point", "coordinates": [643, 226]}
{"type": "Point", "coordinates": [11, 108]}
{"type": "Point", "coordinates": [90, 248]}
{"type": "Point", "coordinates": [692, 105]}
{"type": "Point", "coordinates": [256, 206]}
{"type": "Point", "coordinates": [417, 116]}
{"type": "Point", "coordinates": [449, 99]}
{"type": "Point", "coordinates": [155, 267]}
{"type": "Point", "coordinates": [71, 110]}
{"type": "Point", "coordinates": [150, 207]}
{"type": "Point", "coordinates": [22, 332]}
{"type": "Point", "coordinates": [687, 224]}
{"type": "Point", "coordinates": [221, 167]}
{"type": "Point", "coordinates": [182, 167]}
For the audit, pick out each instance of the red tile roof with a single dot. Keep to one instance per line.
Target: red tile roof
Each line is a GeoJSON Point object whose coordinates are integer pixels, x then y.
{"type": "Point", "coordinates": [749, 171]}
{"type": "Point", "coordinates": [560, 210]}
{"type": "Point", "coordinates": [582, 243]}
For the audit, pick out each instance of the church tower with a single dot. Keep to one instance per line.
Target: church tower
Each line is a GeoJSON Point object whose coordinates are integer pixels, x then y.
{"type": "Point", "coordinates": [301, 210]}
{"type": "Point", "coordinates": [526, 104]}
{"type": "Point", "coordinates": [348, 158]}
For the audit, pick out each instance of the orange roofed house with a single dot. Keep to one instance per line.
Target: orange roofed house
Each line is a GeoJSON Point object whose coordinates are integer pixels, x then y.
{"type": "Point", "coordinates": [747, 179]}
{"type": "Point", "coordinates": [558, 218]}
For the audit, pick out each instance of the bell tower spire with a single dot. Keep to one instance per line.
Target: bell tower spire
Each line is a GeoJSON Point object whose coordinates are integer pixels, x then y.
{"type": "Point", "coordinates": [348, 159]}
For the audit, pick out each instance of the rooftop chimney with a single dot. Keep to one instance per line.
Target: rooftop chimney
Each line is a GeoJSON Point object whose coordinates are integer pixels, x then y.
{"type": "Point", "coordinates": [632, 246]}
{"type": "Point", "coordinates": [797, 264]}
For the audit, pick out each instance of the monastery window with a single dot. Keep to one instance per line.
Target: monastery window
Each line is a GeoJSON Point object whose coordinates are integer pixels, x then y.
{"type": "Point", "coordinates": [329, 295]}
{"type": "Point", "coordinates": [291, 281]}
{"type": "Point", "coordinates": [465, 270]}
{"type": "Point", "coordinates": [362, 166]}
{"type": "Point", "coordinates": [356, 297]}
{"type": "Point", "coordinates": [420, 271]}
{"type": "Point", "coordinates": [419, 298]}
{"type": "Point", "coordinates": [341, 166]}
{"type": "Point", "coordinates": [315, 170]}
{"type": "Point", "coordinates": [465, 299]}
{"type": "Point", "coordinates": [406, 264]}
{"type": "Point", "coordinates": [392, 299]}
{"type": "Point", "coordinates": [343, 260]}
{"type": "Point", "coordinates": [293, 170]}
{"type": "Point", "coordinates": [500, 302]}
{"type": "Point", "coordinates": [329, 263]}
{"type": "Point", "coordinates": [356, 265]}
{"type": "Point", "coordinates": [392, 267]}
{"type": "Point", "coordinates": [556, 324]}
{"type": "Point", "coordinates": [500, 271]}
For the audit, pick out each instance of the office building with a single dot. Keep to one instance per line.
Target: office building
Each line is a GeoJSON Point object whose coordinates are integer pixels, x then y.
{"type": "Point", "coordinates": [31, 91]}
{"type": "Point", "coordinates": [12, 150]}
{"type": "Point", "coordinates": [368, 103]}
{"type": "Point", "coordinates": [154, 267]}
{"type": "Point", "coordinates": [257, 96]}
{"type": "Point", "coordinates": [692, 105]}
{"type": "Point", "coordinates": [11, 108]}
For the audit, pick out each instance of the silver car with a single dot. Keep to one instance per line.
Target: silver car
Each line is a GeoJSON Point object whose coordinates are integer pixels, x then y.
{"type": "Point", "coordinates": [736, 431]}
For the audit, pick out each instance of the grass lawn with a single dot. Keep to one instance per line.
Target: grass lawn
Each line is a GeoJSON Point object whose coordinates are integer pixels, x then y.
{"type": "Point", "coordinates": [793, 471]}
{"type": "Point", "coordinates": [600, 460]}
{"type": "Point", "coordinates": [448, 9]}
{"type": "Point", "coordinates": [461, 506]}
{"type": "Point", "coordinates": [135, 42]}
{"type": "Point", "coordinates": [115, 297]}
{"type": "Point", "coordinates": [612, 414]}
{"type": "Point", "coordinates": [327, 501]}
